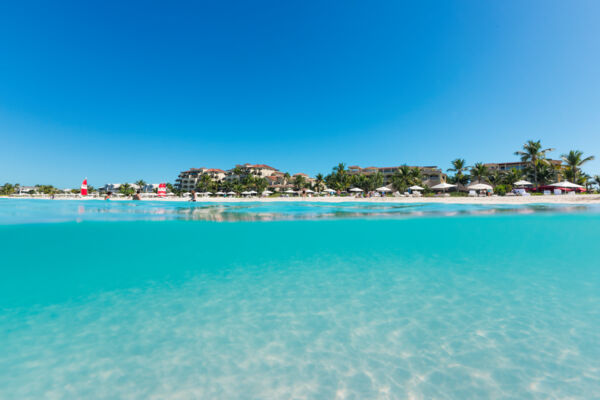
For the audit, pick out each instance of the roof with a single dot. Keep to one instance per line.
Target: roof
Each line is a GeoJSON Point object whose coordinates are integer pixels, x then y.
{"type": "Point", "coordinates": [300, 174]}
{"type": "Point", "coordinates": [215, 170]}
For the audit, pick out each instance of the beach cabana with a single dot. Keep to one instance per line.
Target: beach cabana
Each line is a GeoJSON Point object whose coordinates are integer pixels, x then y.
{"type": "Point", "coordinates": [567, 186]}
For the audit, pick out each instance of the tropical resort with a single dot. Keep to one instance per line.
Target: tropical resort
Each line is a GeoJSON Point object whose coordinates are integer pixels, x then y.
{"type": "Point", "coordinates": [533, 174]}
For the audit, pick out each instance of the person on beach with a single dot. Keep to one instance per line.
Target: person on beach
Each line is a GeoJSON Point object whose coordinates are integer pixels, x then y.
{"type": "Point", "coordinates": [194, 196]}
{"type": "Point", "coordinates": [137, 195]}
{"type": "Point", "coordinates": [108, 196]}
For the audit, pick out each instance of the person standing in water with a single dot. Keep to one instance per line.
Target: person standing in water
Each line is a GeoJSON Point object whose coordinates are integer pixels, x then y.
{"type": "Point", "coordinates": [108, 196]}
{"type": "Point", "coordinates": [194, 196]}
{"type": "Point", "coordinates": [137, 195]}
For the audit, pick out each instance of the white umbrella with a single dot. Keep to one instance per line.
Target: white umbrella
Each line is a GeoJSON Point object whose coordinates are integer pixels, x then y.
{"type": "Point", "coordinates": [267, 192]}
{"type": "Point", "coordinates": [480, 186]}
{"type": "Point", "coordinates": [309, 191]}
{"type": "Point", "coordinates": [523, 183]}
{"type": "Point", "coordinates": [384, 189]}
{"type": "Point", "coordinates": [219, 193]}
{"type": "Point", "coordinates": [231, 193]}
{"type": "Point", "coordinates": [443, 186]}
{"type": "Point", "coordinates": [289, 191]}
{"type": "Point", "coordinates": [355, 190]}
{"type": "Point", "coordinates": [329, 190]}
{"type": "Point", "coordinates": [246, 193]}
{"type": "Point", "coordinates": [252, 192]}
{"type": "Point", "coordinates": [566, 184]}
{"type": "Point", "coordinates": [207, 193]}
{"type": "Point", "coordinates": [416, 187]}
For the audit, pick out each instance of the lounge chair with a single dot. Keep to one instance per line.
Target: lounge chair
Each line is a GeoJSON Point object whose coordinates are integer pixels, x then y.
{"type": "Point", "coordinates": [472, 193]}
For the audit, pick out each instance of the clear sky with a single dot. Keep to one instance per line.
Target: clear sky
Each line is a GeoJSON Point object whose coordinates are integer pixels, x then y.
{"type": "Point", "coordinates": [123, 90]}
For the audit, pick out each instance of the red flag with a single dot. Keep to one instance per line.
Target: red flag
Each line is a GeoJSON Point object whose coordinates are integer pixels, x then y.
{"type": "Point", "coordinates": [162, 190]}
{"type": "Point", "coordinates": [84, 187]}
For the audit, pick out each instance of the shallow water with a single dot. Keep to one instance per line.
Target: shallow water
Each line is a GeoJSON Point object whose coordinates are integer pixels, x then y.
{"type": "Point", "coordinates": [342, 302]}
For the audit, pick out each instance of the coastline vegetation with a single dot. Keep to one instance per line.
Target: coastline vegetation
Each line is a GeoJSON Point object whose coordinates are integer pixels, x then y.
{"type": "Point", "coordinates": [539, 170]}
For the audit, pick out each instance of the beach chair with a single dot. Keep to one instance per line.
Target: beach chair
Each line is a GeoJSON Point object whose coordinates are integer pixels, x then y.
{"type": "Point", "coordinates": [547, 193]}
{"type": "Point", "coordinates": [557, 191]}
{"type": "Point", "coordinates": [472, 193]}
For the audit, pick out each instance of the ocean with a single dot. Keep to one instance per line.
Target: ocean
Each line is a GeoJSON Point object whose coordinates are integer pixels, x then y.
{"type": "Point", "coordinates": [151, 300]}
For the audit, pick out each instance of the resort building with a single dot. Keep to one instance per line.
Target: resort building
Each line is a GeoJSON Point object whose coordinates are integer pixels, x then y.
{"type": "Point", "coordinates": [431, 175]}
{"type": "Point", "coordinates": [188, 180]}
{"type": "Point", "coordinates": [518, 165]}
{"type": "Point", "coordinates": [255, 170]}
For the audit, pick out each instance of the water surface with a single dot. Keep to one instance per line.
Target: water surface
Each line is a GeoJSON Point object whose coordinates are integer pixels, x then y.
{"type": "Point", "coordinates": [342, 302]}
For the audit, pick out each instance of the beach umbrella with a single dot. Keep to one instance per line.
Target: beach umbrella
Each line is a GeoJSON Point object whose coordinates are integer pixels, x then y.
{"type": "Point", "coordinates": [289, 191]}
{"type": "Point", "coordinates": [416, 187]}
{"type": "Point", "coordinates": [566, 184]}
{"type": "Point", "coordinates": [219, 193]}
{"type": "Point", "coordinates": [523, 183]}
{"type": "Point", "coordinates": [329, 190]}
{"type": "Point", "coordinates": [252, 192]}
{"type": "Point", "coordinates": [207, 193]}
{"type": "Point", "coordinates": [267, 192]}
{"type": "Point", "coordinates": [384, 189]}
{"type": "Point", "coordinates": [356, 190]}
{"type": "Point", "coordinates": [231, 193]}
{"type": "Point", "coordinates": [309, 191]}
{"type": "Point", "coordinates": [245, 193]}
{"type": "Point", "coordinates": [480, 186]}
{"type": "Point", "coordinates": [443, 186]}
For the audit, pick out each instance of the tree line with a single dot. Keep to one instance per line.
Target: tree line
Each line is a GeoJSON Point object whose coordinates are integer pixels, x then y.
{"type": "Point", "coordinates": [539, 170]}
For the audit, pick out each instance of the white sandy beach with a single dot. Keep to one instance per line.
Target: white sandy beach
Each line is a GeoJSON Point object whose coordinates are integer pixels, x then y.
{"type": "Point", "coordinates": [548, 199]}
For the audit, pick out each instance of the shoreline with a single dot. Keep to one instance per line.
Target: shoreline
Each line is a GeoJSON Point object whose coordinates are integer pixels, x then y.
{"type": "Point", "coordinates": [494, 200]}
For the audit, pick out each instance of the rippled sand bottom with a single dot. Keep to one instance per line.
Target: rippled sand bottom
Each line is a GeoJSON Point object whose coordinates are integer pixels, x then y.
{"type": "Point", "coordinates": [495, 307]}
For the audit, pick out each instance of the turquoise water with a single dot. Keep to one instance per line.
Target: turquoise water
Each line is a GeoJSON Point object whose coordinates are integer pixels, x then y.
{"type": "Point", "coordinates": [155, 301]}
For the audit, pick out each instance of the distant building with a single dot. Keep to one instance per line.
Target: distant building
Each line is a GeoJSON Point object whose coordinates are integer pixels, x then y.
{"type": "Point", "coordinates": [188, 180]}
{"type": "Point", "coordinates": [255, 170]}
{"type": "Point", "coordinates": [518, 165]}
{"type": "Point", "coordinates": [431, 175]}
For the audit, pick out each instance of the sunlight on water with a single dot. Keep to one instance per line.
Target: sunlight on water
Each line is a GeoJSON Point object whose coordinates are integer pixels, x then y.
{"type": "Point", "coordinates": [502, 306]}
{"type": "Point", "coordinates": [33, 211]}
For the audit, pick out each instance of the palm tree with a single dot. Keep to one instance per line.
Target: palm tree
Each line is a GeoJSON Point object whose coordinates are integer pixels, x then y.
{"type": "Point", "coordinates": [141, 183]}
{"type": "Point", "coordinates": [300, 182]}
{"type": "Point", "coordinates": [319, 182]}
{"type": "Point", "coordinates": [286, 178]}
{"type": "Point", "coordinates": [597, 181]}
{"type": "Point", "coordinates": [479, 171]}
{"type": "Point", "coordinates": [459, 166]}
{"type": "Point", "coordinates": [126, 189]}
{"type": "Point", "coordinates": [204, 182]}
{"type": "Point", "coordinates": [512, 175]}
{"type": "Point", "coordinates": [574, 160]}
{"type": "Point", "coordinates": [534, 154]}
{"type": "Point", "coordinates": [402, 178]}
{"type": "Point", "coordinates": [495, 177]}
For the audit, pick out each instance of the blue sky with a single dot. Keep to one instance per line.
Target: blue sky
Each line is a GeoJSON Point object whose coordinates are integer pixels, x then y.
{"type": "Point", "coordinates": [118, 91]}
